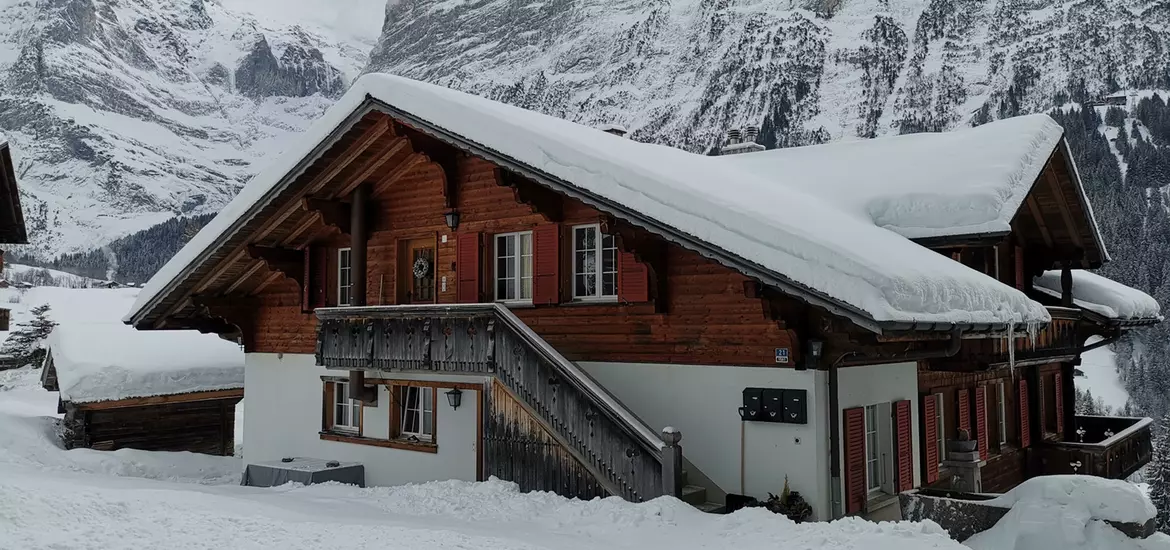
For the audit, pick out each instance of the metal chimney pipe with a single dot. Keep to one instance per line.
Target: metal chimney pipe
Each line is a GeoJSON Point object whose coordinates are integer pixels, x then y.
{"type": "Point", "coordinates": [733, 136]}
{"type": "Point", "coordinates": [750, 133]}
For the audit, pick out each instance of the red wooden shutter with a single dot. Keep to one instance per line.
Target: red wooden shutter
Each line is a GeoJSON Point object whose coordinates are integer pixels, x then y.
{"type": "Point", "coordinates": [854, 432]}
{"type": "Point", "coordinates": [1057, 382]}
{"type": "Point", "coordinates": [1040, 406]}
{"type": "Point", "coordinates": [633, 279]}
{"type": "Point", "coordinates": [319, 276]}
{"type": "Point", "coordinates": [1025, 432]}
{"type": "Point", "coordinates": [930, 448]}
{"type": "Point", "coordinates": [546, 264]}
{"type": "Point", "coordinates": [981, 421]}
{"type": "Point", "coordinates": [905, 443]}
{"type": "Point", "coordinates": [467, 256]}
{"type": "Point", "coordinates": [964, 410]}
{"type": "Point", "coordinates": [307, 280]}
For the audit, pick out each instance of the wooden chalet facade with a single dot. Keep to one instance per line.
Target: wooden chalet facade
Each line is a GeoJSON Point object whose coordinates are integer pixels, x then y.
{"type": "Point", "coordinates": [413, 299]}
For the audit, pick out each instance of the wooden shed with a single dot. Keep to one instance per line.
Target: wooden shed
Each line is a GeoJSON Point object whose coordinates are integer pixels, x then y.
{"type": "Point", "coordinates": [157, 391]}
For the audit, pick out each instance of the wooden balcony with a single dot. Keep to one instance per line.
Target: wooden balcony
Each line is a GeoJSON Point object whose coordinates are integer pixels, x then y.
{"type": "Point", "coordinates": [1103, 446]}
{"type": "Point", "coordinates": [548, 425]}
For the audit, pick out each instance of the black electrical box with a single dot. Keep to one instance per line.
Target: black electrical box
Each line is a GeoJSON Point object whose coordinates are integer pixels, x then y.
{"type": "Point", "coordinates": [753, 404]}
{"type": "Point", "coordinates": [774, 405]}
{"type": "Point", "coordinates": [795, 407]}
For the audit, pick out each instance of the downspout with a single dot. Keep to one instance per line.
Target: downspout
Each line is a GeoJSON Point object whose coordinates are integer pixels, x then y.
{"type": "Point", "coordinates": [357, 277]}
{"type": "Point", "coordinates": [856, 358]}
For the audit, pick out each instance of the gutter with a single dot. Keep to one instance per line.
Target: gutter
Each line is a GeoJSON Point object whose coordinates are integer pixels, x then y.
{"type": "Point", "coordinates": [854, 358]}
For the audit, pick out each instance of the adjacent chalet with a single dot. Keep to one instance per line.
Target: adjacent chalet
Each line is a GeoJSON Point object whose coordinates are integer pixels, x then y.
{"type": "Point", "coordinates": [12, 230]}
{"type": "Point", "coordinates": [440, 286]}
{"type": "Point", "coordinates": [156, 391]}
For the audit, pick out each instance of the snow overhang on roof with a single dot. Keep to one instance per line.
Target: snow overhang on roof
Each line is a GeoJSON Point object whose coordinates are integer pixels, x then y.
{"type": "Point", "coordinates": [759, 225]}
{"type": "Point", "coordinates": [1102, 296]}
{"type": "Point", "coordinates": [111, 361]}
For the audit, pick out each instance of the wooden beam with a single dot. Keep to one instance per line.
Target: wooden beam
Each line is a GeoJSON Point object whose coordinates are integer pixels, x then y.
{"type": "Point", "coordinates": [355, 150]}
{"type": "Point", "coordinates": [539, 198]}
{"type": "Point", "coordinates": [162, 400]}
{"type": "Point", "coordinates": [308, 222]}
{"type": "Point", "coordinates": [248, 273]}
{"type": "Point", "coordinates": [371, 167]}
{"type": "Point", "coordinates": [333, 212]}
{"type": "Point", "coordinates": [1065, 212]}
{"type": "Point", "coordinates": [1037, 215]}
{"type": "Point", "coordinates": [271, 278]}
{"type": "Point", "coordinates": [394, 175]}
{"type": "Point", "coordinates": [287, 261]}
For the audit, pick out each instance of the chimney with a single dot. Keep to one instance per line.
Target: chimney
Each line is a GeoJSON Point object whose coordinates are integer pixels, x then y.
{"type": "Point", "coordinates": [736, 145]}
{"type": "Point", "coordinates": [615, 129]}
{"type": "Point", "coordinates": [733, 136]}
{"type": "Point", "coordinates": [750, 133]}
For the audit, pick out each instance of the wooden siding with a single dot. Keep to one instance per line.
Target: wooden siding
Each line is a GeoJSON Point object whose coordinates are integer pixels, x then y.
{"type": "Point", "coordinates": [198, 426]}
{"type": "Point", "coordinates": [708, 319]}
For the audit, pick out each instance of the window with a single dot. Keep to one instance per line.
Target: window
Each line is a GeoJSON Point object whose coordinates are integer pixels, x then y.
{"type": "Point", "coordinates": [872, 457]}
{"type": "Point", "coordinates": [594, 263]}
{"type": "Point", "coordinates": [417, 412]}
{"type": "Point", "coordinates": [344, 277]}
{"type": "Point", "coordinates": [1001, 412]}
{"type": "Point", "coordinates": [940, 418]}
{"type": "Point", "coordinates": [514, 267]}
{"type": "Point", "coordinates": [347, 413]}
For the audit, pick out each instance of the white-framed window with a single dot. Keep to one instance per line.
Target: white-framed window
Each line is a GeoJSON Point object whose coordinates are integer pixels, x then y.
{"type": "Point", "coordinates": [873, 466]}
{"type": "Point", "coordinates": [514, 267]}
{"type": "Point", "coordinates": [940, 417]}
{"type": "Point", "coordinates": [347, 413]}
{"type": "Point", "coordinates": [1001, 406]}
{"type": "Point", "coordinates": [595, 261]}
{"type": "Point", "coordinates": [344, 277]}
{"type": "Point", "coordinates": [417, 412]}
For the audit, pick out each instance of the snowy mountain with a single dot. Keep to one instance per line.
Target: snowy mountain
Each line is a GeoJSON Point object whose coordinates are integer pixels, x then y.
{"type": "Point", "coordinates": [682, 71]}
{"type": "Point", "coordinates": [124, 113]}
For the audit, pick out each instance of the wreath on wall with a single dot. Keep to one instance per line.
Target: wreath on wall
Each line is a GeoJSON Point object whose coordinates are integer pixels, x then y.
{"type": "Point", "coordinates": [422, 268]}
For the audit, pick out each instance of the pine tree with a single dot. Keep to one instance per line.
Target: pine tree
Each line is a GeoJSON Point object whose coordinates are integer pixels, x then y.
{"type": "Point", "coordinates": [1158, 477]}
{"type": "Point", "coordinates": [24, 343]}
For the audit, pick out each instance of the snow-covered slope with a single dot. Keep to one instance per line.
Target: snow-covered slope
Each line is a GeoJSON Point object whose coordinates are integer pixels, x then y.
{"type": "Point", "coordinates": [123, 113]}
{"type": "Point", "coordinates": [682, 71]}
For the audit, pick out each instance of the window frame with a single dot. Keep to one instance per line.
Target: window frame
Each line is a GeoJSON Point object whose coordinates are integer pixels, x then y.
{"type": "Point", "coordinates": [347, 269]}
{"type": "Point", "coordinates": [599, 272]}
{"type": "Point", "coordinates": [340, 388]}
{"type": "Point", "coordinates": [517, 261]}
{"type": "Point", "coordinates": [1001, 411]}
{"type": "Point", "coordinates": [940, 419]}
{"type": "Point", "coordinates": [401, 394]}
{"type": "Point", "coordinates": [873, 455]}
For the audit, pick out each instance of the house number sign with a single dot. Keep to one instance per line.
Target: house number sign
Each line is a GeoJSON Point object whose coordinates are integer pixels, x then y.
{"type": "Point", "coordinates": [782, 356]}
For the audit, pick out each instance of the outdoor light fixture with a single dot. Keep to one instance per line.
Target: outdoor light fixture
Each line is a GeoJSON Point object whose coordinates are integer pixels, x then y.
{"type": "Point", "coordinates": [815, 349]}
{"type": "Point", "coordinates": [455, 396]}
{"type": "Point", "coordinates": [452, 219]}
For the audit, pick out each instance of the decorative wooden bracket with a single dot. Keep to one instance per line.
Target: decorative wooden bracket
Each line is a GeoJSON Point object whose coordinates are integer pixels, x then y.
{"type": "Point", "coordinates": [447, 157]}
{"type": "Point", "coordinates": [333, 213]}
{"type": "Point", "coordinates": [647, 250]}
{"type": "Point", "coordinates": [539, 198]}
{"type": "Point", "coordinates": [289, 262]}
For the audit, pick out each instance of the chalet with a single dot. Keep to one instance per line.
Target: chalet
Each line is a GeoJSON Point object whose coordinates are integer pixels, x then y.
{"type": "Point", "coordinates": [12, 230]}
{"type": "Point", "coordinates": [440, 286]}
{"type": "Point", "coordinates": [160, 391]}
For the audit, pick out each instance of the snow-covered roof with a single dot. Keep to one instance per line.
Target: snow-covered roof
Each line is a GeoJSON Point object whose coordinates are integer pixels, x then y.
{"type": "Point", "coordinates": [966, 182]}
{"type": "Point", "coordinates": [1103, 296]}
{"type": "Point", "coordinates": [784, 232]}
{"type": "Point", "coordinates": [111, 361]}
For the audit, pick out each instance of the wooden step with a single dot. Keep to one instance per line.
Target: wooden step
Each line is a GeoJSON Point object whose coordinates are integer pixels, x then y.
{"type": "Point", "coordinates": [693, 494]}
{"type": "Point", "coordinates": [711, 508]}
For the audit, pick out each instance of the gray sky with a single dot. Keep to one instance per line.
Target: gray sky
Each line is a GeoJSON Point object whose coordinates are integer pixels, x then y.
{"type": "Point", "coordinates": [361, 19]}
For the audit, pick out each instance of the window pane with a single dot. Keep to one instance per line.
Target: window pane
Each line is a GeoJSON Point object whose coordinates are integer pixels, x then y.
{"type": "Point", "coordinates": [427, 427]}
{"type": "Point", "coordinates": [609, 284]}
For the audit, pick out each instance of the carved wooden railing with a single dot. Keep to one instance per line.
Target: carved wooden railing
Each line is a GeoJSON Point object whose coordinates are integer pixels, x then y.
{"type": "Point", "coordinates": [1110, 447]}
{"type": "Point", "coordinates": [625, 456]}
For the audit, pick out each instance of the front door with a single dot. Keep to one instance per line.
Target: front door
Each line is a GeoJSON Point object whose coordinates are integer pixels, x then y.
{"type": "Point", "coordinates": [416, 271]}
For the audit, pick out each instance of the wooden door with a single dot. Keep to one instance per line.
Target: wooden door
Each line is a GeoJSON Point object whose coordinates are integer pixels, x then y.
{"type": "Point", "coordinates": [416, 271]}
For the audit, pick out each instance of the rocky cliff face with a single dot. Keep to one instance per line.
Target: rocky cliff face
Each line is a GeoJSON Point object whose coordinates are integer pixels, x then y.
{"type": "Point", "coordinates": [682, 71]}
{"type": "Point", "coordinates": [123, 113]}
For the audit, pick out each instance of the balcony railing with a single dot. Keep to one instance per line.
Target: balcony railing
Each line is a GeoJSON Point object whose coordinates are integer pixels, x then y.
{"type": "Point", "coordinates": [1103, 446]}
{"type": "Point", "coordinates": [607, 446]}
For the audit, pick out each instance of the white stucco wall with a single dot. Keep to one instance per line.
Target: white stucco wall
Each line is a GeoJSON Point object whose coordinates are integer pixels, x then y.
{"type": "Point", "coordinates": [876, 384]}
{"type": "Point", "coordinates": [741, 457]}
{"type": "Point", "coordinates": [282, 417]}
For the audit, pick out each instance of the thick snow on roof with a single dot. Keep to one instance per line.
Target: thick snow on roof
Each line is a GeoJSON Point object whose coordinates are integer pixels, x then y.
{"type": "Point", "coordinates": [112, 361]}
{"type": "Point", "coordinates": [964, 182]}
{"type": "Point", "coordinates": [783, 228]}
{"type": "Point", "coordinates": [1101, 295]}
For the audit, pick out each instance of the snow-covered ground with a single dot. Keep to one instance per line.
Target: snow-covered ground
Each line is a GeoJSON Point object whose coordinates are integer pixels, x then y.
{"type": "Point", "coordinates": [1100, 376]}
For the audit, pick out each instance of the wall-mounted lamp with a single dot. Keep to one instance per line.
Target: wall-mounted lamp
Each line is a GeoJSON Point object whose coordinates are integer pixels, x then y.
{"type": "Point", "coordinates": [815, 349]}
{"type": "Point", "coordinates": [455, 398]}
{"type": "Point", "coordinates": [452, 219]}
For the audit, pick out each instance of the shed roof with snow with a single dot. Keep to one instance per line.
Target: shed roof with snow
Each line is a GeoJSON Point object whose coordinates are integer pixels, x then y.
{"type": "Point", "coordinates": [779, 233]}
{"type": "Point", "coordinates": [112, 362]}
{"type": "Point", "coordinates": [1110, 299]}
